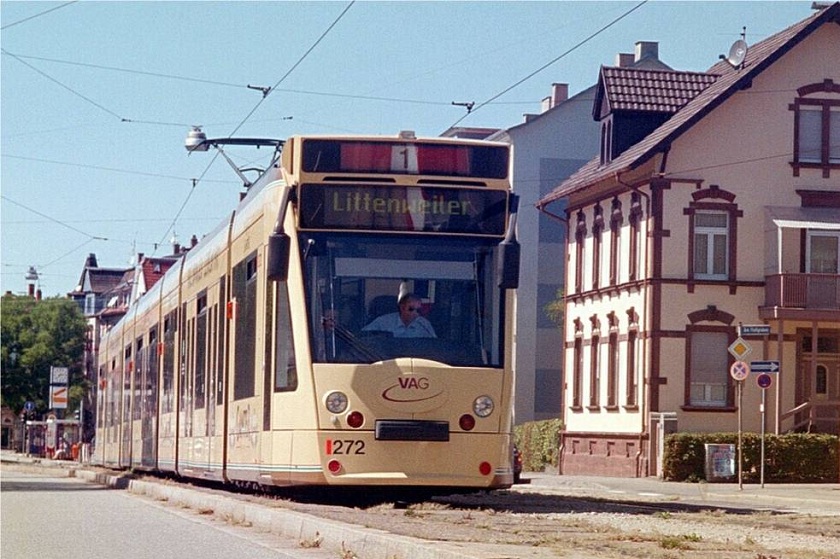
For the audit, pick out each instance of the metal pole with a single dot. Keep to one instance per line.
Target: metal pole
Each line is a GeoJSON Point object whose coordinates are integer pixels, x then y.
{"type": "Point", "coordinates": [763, 430]}
{"type": "Point", "coordinates": [740, 408]}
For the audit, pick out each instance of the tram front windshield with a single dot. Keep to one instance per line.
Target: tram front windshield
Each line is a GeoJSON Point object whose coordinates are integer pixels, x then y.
{"type": "Point", "coordinates": [355, 283]}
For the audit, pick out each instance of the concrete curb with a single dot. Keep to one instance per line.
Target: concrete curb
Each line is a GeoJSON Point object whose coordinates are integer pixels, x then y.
{"type": "Point", "coordinates": [300, 527]}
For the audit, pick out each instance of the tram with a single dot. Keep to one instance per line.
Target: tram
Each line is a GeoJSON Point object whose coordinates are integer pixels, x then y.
{"type": "Point", "coordinates": [257, 358]}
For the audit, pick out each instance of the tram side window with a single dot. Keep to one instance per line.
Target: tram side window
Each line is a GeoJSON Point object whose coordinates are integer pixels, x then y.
{"type": "Point", "coordinates": [100, 400]}
{"type": "Point", "coordinates": [139, 373]}
{"type": "Point", "coordinates": [152, 377]}
{"type": "Point", "coordinates": [128, 370]}
{"type": "Point", "coordinates": [169, 327]}
{"type": "Point", "coordinates": [202, 349]}
{"type": "Point", "coordinates": [220, 348]}
{"type": "Point", "coordinates": [245, 295]}
{"type": "Point", "coordinates": [285, 374]}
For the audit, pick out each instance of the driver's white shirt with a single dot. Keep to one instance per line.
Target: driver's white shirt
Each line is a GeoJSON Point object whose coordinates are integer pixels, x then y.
{"type": "Point", "coordinates": [418, 328]}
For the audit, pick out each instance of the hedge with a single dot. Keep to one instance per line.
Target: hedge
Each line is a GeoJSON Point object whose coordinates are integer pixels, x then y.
{"type": "Point", "coordinates": [791, 458]}
{"type": "Point", "coordinates": [538, 443]}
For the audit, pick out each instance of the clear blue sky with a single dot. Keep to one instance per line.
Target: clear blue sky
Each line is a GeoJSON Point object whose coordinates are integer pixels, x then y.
{"type": "Point", "coordinates": [97, 97]}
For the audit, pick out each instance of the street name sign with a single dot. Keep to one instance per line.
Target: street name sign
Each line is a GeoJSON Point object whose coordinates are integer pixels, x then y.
{"type": "Point", "coordinates": [755, 330]}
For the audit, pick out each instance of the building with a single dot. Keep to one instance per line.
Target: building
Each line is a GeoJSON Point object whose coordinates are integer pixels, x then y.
{"type": "Point", "coordinates": [548, 147]}
{"type": "Point", "coordinates": [104, 296]}
{"type": "Point", "coordinates": [714, 203]}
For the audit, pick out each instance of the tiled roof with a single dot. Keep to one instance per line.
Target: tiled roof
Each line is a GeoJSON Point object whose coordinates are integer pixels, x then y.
{"type": "Point", "coordinates": [759, 57]}
{"type": "Point", "coordinates": [632, 89]}
{"type": "Point", "coordinates": [101, 280]}
{"type": "Point", "coordinates": [154, 268]}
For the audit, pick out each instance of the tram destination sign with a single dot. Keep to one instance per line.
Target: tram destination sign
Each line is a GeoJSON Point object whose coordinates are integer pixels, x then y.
{"type": "Point", "coordinates": [399, 208]}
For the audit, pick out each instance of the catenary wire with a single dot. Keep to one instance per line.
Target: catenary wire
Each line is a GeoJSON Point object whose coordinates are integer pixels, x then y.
{"type": "Point", "coordinates": [248, 116]}
{"type": "Point", "coordinates": [551, 62]}
{"type": "Point", "coordinates": [54, 220]}
{"type": "Point", "coordinates": [38, 15]}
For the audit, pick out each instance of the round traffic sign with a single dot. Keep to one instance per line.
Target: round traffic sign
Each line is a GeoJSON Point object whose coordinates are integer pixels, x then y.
{"type": "Point", "coordinates": [739, 370]}
{"type": "Point", "coordinates": [764, 380]}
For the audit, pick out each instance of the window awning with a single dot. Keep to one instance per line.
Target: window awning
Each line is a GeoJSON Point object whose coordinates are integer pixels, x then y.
{"type": "Point", "coordinates": [805, 218]}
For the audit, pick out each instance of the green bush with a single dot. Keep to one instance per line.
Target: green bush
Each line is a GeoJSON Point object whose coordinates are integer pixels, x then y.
{"type": "Point", "coordinates": [792, 458]}
{"type": "Point", "coordinates": [538, 443]}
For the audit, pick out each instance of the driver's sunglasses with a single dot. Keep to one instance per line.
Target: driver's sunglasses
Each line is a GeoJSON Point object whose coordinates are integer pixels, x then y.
{"type": "Point", "coordinates": [413, 309]}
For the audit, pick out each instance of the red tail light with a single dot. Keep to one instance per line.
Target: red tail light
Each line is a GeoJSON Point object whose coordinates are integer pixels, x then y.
{"type": "Point", "coordinates": [485, 468]}
{"type": "Point", "coordinates": [467, 422]}
{"type": "Point", "coordinates": [355, 419]}
{"type": "Point", "coordinates": [334, 466]}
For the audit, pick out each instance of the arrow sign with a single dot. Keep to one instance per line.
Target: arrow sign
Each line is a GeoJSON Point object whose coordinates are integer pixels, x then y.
{"type": "Point", "coordinates": [765, 366]}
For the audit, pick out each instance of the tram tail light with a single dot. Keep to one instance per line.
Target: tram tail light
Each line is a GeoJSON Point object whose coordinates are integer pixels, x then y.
{"type": "Point", "coordinates": [355, 419]}
{"type": "Point", "coordinates": [485, 468]}
{"type": "Point", "coordinates": [466, 422]}
{"type": "Point", "coordinates": [334, 466]}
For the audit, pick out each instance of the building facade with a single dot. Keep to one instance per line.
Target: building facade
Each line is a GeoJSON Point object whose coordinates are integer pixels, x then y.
{"type": "Point", "coordinates": [714, 203]}
{"type": "Point", "coordinates": [548, 148]}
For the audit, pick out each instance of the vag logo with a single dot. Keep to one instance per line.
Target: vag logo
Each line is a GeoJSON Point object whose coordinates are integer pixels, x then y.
{"type": "Point", "coordinates": [421, 383]}
{"type": "Point", "coordinates": [410, 389]}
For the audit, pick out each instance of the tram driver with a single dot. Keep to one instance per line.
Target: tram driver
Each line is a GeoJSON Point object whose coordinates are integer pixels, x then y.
{"type": "Point", "coordinates": [406, 322]}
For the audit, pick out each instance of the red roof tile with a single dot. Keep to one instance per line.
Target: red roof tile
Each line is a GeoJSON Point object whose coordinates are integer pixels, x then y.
{"type": "Point", "coordinates": [632, 89]}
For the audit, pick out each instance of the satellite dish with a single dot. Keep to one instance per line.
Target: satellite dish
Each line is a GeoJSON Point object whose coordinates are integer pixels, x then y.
{"type": "Point", "coordinates": [737, 53]}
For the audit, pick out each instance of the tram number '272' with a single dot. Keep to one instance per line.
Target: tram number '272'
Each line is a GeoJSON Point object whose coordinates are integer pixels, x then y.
{"type": "Point", "coordinates": [345, 446]}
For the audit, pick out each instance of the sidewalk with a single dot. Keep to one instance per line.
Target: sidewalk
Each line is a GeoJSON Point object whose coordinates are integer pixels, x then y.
{"type": "Point", "coordinates": [822, 498]}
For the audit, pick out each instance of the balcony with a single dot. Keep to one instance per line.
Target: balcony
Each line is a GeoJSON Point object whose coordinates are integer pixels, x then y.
{"type": "Point", "coordinates": [804, 292]}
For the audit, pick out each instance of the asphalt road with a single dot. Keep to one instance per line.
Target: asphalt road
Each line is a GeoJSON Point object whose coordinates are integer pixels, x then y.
{"type": "Point", "coordinates": [47, 516]}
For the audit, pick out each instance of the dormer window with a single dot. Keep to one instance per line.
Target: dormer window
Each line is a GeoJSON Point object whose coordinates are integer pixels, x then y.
{"type": "Point", "coordinates": [816, 121]}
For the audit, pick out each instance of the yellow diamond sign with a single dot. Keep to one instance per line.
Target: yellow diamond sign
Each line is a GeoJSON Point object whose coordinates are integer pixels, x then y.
{"type": "Point", "coordinates": [740, 349]}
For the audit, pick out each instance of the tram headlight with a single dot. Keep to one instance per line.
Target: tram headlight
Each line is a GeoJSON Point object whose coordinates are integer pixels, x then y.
{"type": "Point", "coordinates": [483, 406]}
{"type": "Point", "coordinates": [336, 402]}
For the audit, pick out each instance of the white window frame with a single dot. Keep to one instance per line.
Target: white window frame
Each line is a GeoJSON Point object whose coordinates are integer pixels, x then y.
{"type": "Point", "coordinates": [811, 234]}
{"type": "Point", "coordinates": [709, 234]}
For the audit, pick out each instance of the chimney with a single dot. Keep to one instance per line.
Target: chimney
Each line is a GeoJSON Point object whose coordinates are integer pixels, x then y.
{"type": "Point", "coordinates": [647, 49]}
{"type": "Point", "coordinates": [91, 261]}
{"type": "Point", "coordinates": [559, 93]}
{"type": "Point", "coordinates": [193, 241]}
{"type": "Point", "coordinates": [624, 59]}
{"type": "Point", "coordinates": [31, 292]}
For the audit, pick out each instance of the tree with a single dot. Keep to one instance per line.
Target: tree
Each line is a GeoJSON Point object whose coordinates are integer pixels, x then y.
{"type": "Point", "coordinates": [555, 309]}
{"type": "Point", "coordinates": [35, 336]}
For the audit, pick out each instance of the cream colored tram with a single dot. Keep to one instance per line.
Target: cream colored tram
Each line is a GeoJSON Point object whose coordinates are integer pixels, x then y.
{"type": "Point", "coordinates": [257, 361]}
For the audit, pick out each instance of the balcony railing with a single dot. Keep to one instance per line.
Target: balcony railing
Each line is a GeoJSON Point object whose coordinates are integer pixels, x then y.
{"type": "Point", "coordinates": [803, 291]}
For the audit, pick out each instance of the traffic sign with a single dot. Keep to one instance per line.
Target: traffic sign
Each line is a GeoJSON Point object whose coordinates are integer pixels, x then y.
{"type": "Point", "coordinates": [764, 380]}
{"type": "Point", "coordinates": [59, 375]}
{"type": "Point", "coordinates": [739, 370]}
{"type": "Point", "coordinates": [29, 406]}
{"type": "Point", "coordinates": [58, 397]}
{"type": "Point", "coordinates": [764, 366]}
{"type": "Point", "coordinates": [740, 349]}
{"type": "Point", "coordinates": [755, 330]}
